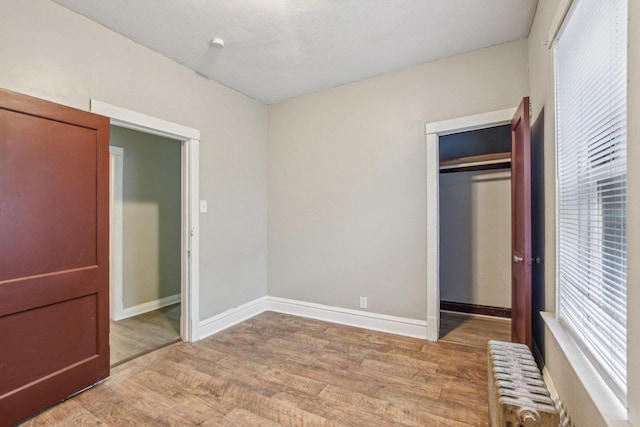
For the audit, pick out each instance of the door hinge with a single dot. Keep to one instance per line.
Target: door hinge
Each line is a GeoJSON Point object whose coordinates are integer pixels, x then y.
{"type": "Point", "coordinates": [530, 111]}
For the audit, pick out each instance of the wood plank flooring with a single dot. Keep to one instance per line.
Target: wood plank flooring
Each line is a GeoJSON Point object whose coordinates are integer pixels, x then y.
{"type": "Point", "coordinates": [473, 330]}
{"type": "Point", "coordinates": [276, 369]}
{"type": "Point", "coordinates": [146, 332]}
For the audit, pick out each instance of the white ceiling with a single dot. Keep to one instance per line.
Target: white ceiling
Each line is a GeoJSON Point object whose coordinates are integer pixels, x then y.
{"type": "Point", "coordinates": [279, 49]}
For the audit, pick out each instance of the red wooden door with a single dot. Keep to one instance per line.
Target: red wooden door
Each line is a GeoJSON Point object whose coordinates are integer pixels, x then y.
{"type": "Point", "coordinates": [521, 225]}
{"type": "Point", "coordinates": [54, 253]}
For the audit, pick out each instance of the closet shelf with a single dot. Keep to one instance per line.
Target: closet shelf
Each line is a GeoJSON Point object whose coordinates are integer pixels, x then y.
{"type": "Point", "coordinates": [480, 162]}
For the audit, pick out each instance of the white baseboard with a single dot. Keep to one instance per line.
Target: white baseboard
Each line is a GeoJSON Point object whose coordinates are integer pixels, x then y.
{"type": "Point", "coordinates": [148, 306]}
{"type": "Point", "coordinates": [549, 382]}
{"type": "Point", "coordinates": [231, 317]}
{"type": "Point", "coordinates": [344, 316]}
{"type": "Point", "coordinates": [546, 376]}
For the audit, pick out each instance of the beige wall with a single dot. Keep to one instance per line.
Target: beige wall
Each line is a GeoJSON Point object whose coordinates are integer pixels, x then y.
{"type": "Point", "coordinates": [579, 402]}
{"type": "Point", "coordinates": [52, 53]}
{"type": "Point", "coordinates": [347, 193]}
{"type": "Point", "coordinates": [151, 215]}
{"type": "Point", "coordinates": [475, 243]}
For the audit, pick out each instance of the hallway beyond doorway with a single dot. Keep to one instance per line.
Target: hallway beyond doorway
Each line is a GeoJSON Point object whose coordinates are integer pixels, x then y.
{"type": "Point", "coordinates": [138, 335]}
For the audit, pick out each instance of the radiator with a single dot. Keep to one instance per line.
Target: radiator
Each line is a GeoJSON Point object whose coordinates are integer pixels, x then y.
{"type": "Point", "coordinates": [518, 397]}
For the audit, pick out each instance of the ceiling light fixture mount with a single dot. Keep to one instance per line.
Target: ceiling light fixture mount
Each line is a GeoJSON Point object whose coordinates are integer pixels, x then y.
{"type": "Point", "coordinates": [217, 42]}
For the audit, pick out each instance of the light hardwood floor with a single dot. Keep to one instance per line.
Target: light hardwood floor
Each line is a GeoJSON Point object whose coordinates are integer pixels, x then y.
{"type": "Point", "coordinates": [473, 330]}
{"type": "Point", "coordinates": [146, 332]}
{"type": "Point", "coordinates": [276, 369]}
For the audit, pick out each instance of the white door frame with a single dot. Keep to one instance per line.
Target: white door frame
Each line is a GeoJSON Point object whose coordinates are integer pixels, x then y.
{"type": "Point", "coordinates": [116, 191]}
{"type": "Point", "coordinates": [190, 259]}
{"type": "Point", "coordinates": [434, 131]}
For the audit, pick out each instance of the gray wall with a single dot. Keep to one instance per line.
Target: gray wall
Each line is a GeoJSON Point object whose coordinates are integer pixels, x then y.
{"type": "Point", "coordinates": [475, 237]}
{"type": "Point", "coordinates": [347, 186]}
{"type": "Point", "coordinates": [151, 215]}
{"type": "Point", "coordinates": [50, 52]}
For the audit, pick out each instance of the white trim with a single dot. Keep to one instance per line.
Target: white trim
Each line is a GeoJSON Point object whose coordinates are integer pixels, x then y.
{"type": "Point", "coordinates": [557, 21]}
{"type": "Point", "coordinates": [190, 285]}
{"type": "Point", "coordinates": [433, 236]}
{"type": "Point", "coordinates": [116, 188]}
{"type": "Point", "coordinates": [546, 376]}
{"type": "Point", "coordinates": [344, 316]}
{"type": "Point", "coordinates": [137, 121]}
{"type": "Point", "coordinates": [606, 402]}
{"type": "Point", "coordinates": [190, 240]}
{"type": "Point", "coordinates": [231, 317]}
{"type": "Point", "coordinates": [434, 131]}
{"type": "Point", "coordinates": [149, 306]}
{"type": "Point", "coordinates": [553, 392]}
{"type": "Point", "coordinates": [467, 123]}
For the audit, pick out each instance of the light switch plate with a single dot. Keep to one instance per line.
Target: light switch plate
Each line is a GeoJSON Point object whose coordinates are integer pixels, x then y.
{"type": "Point", "coordinates": [203, 206]}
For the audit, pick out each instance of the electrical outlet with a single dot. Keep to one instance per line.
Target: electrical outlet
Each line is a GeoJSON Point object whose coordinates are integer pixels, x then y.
{"type": "Point", "coordinates": [363, 302]}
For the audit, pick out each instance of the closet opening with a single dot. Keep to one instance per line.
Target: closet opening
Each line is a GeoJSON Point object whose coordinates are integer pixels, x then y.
{"type": "Point", "coordinates": [475, 235]}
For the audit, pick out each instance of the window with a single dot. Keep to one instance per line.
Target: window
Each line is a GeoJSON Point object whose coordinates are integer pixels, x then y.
{"type": "Point", "coordinates": [591, 76]}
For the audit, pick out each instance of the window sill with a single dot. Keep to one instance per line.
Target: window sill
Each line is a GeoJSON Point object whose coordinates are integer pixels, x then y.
{"type": "Point", "coordinates": [612, 410]}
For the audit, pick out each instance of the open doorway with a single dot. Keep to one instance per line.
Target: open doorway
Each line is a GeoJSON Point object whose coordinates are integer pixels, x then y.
{"type": "Point", "coordinates": [187, 141]}
{"type": "Point", "coordinates": [475, 230]}
{"type": "Point", "coordinates": [434, 132]}
{"type": "Point", "coordinates": [145, 235]}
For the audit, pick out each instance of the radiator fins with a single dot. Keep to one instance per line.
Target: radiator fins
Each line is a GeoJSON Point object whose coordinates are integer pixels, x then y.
{"type": "Point", "coordinates": [518, 397]}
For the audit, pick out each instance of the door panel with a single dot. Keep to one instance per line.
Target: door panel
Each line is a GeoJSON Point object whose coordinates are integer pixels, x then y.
{"type": "Point", "coordinates": [521, 225]}
{"type": "Point", "coordinates": [65, 326]}
{"type": "Point", "coordinates": [54, 322]}
{"type": "Point", "coordinates": [66, 156]}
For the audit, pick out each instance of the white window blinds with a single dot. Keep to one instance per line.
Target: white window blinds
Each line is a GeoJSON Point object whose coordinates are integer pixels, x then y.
{"type": "Point", "coordinates": [591, 159]}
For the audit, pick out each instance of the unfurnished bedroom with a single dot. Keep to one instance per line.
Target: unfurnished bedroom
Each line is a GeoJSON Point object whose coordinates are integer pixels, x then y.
{"type": "Point", "coordinates": [319, 213]}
